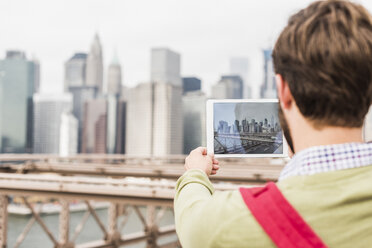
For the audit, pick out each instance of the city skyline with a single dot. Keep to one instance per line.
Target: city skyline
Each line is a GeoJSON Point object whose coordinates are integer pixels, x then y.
{"type": "Point", "coordinates": [105, 110]}
{"type": "Point", "coordinates": [205, 43]}
{"type": "Point", "coordinates": [87, 74]}
{"type": "Point", "coordinates": [244, 126]}
{"type": "Point", "coordinates": [230, 112]}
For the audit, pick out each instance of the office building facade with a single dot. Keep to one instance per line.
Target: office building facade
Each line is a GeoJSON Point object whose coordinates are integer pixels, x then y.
{"type": "Point", "coordinates": [229, 87]}
{"type": "Point", "coordinates": [17, 85]}
{"type": "Point", "coordinates": [68, 141]}
{"type": "Point", "coordinates": [48, 110]}
{"type": "Point", "coordinates": [114, 78]}
{"type": "Point", "coordinates": [112, 108]}
{"type": "Point", "coordinates": [191, 84]}
{"type": "Point", "coordinates": [75, 83]}
{"type": "Point", "coordinates": [35, 67]}
{"type": "Point", "coordinates": [155, 120]}
{"type": "Point", "coordinates": [167, 119]}
{"type": "Point", "coordinates": [81, 94]}
{"type": "Point", "coordinates": [139, 131]}
{"type": "Point", "coordinates": [121, 120]}
{"type": "Point", "coordinates": [154, 110]}
{"type": "Point", "coordinates": [268, 88]}
{"type": "Point", "coordinates": [94, 137]}
{"type": "Point", "coordinates": [194, 120]}
{"type": "Point", "coordinates": [166, 66]}
{"type": "Point", "coordinates": [75, 71]}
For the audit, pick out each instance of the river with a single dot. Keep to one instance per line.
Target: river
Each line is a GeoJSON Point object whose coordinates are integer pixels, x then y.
{"type": "Point", "coordinates": [37, 238]}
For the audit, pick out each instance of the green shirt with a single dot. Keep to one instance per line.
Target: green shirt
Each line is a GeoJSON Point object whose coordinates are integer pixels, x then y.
{"type": "Point", "coordinates": [337, 205]}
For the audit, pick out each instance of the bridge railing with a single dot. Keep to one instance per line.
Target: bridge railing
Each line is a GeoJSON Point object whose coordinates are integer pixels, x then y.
{"type": "Point", "coordinates": [124, 198]}
{"type": "Point", "coordinates": [128, 183]}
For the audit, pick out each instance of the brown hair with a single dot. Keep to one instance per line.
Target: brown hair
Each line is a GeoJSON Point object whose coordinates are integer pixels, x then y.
{"type": "Point", "coordinates": [325, 55]}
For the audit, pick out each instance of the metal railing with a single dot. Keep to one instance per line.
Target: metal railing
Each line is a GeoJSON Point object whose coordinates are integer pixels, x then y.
{"type": "Point", "coordinates": [89, 178]}
{"type": "Point", "coordinates": [122, 198]}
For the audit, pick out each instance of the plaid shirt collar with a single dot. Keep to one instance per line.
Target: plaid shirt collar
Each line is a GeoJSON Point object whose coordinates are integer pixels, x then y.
{"type": "Point", "coordinates": [319, 159]}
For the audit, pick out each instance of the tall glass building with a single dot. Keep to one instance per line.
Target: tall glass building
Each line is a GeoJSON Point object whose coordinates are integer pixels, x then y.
{"type": "Point", "coordinates": [194, 120]}
{"type": "Point", "coordinates": [75, 83]}
{"type": "Point", "coordinates": [268, 88]}
{"type": "Point", "coordinates": [75, 69]}
{"type": "Point", "coordinates": [17, 76]}
{"type": "Point", "coordinates": [191, 84]}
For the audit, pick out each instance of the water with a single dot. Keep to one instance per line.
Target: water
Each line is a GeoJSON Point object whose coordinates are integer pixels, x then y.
{"type": "Point", "coordinates": [37, 238]}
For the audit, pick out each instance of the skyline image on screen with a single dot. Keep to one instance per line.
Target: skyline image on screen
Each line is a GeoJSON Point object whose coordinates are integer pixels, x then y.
{"type": "Point", "coordinates": [247, 128]}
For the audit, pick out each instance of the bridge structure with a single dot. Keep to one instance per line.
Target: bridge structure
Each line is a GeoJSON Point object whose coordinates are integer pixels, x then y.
{"type": "Point", "coordinates": [261, 137]}
{"type": "Point", "coordinates": [246, 142]}
{"type": "Point", "coordinates": [143, 186]}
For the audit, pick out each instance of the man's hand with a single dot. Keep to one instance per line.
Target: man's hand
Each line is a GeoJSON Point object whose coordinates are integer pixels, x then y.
{"type": "Point", "coordinates": [198, 159]}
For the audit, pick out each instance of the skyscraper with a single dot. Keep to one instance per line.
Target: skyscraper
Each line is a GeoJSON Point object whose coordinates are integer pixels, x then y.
{"type": "Point", "coordinates": [140, 111]}
{"type": "Point", "coordinates": [229, 87]}
{"type": "Point", "coordinates": [36, 68]}
{"type": "Point", "coordinates": [100, 141]}
{"type": "Point", "coordinates": [112, 114]}
{"type": "Point", "coordinates": [155, 109]}
{"type": "Point", "coordinates": [165, 66]}
{"type": "Point", "coordinates": [191, 84]}
{"type": "Point", "coordinates": [17, 79]}
{"type": "Point", "coordinates": [219, 91]}
{"type": "Point", "coordinates": [94, 71]}
{"type": "Point", "coordinates": [68, 141]}
{"type": "Point", "coordinates": [155, 120]}
{"type": "Point", "coordinates": [81, 94]}
{"type": "Point", "coordinates": [194, 120]}
{"type": "Point", "coordinates": [167, 119]}
{"type": "Point", "coordinates": [240, 66]}
{"type": "Point", "coordinates": [114, 78]}
{"type": "Point", "coordinates": [75, 70]}
{"type": "Point", "coordinates": [121, 120]}
{"type": "Point", "coordinates": [116, 110]}
{"type": "Point", "coordinates": [75, 83]}
{"type": "Point", "coordinates": [124, 93]}
{"type": "Point", "coordinates": [94, 138]}
{"type": "Point", "coordinates": [268, 88]}
{"type": "Point", "coordinates": [48, 110]}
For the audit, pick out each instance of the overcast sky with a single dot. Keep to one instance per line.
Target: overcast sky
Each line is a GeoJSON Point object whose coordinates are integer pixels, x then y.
{"type": "Point", "coordinates": [205, 32]}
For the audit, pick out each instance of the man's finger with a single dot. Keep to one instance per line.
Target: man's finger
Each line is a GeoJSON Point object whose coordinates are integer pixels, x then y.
{"type": "Point", "coordinates": [211, 156]}
{"type": "Point", "coordinates": [215, 161]}
{"type": "Point", "coordinates": [200, 150]}
{"type": "Point", "coordinates": [215, 167]}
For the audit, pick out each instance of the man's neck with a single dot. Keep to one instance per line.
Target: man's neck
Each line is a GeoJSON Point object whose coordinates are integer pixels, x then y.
{"type": "Point", "coordinates": [307, 136]}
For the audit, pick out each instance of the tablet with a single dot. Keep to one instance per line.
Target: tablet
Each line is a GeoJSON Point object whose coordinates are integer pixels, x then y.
{"type": "Point", "coordinates": [244, 128]}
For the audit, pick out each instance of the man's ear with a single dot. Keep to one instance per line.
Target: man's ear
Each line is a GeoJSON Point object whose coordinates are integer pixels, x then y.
{"type": "Point", "coordinates": [284, 93]}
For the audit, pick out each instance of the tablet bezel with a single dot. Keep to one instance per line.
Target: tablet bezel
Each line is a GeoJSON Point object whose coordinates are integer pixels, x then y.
{"type": "Point", "coordinates": [210, 130]}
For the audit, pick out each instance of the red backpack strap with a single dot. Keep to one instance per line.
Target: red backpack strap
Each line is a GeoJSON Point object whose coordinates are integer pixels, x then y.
{"type": "Point", "coordinates": [279, 219]}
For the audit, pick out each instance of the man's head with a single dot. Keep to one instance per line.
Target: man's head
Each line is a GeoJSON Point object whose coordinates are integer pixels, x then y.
{"type": "Point", "coordinates": [323, 62]}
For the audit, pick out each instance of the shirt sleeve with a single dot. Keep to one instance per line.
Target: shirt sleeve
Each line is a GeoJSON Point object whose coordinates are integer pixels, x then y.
{"type": "Point", "coordinates": [193, 194]}
{"type": "Point", "coordinates": [206, 218]}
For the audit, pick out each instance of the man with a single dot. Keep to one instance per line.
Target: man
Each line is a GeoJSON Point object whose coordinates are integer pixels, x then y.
{"type": "Point", "coordinates": [323, 62]}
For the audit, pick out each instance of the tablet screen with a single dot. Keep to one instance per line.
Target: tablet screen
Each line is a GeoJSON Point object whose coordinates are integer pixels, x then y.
{"type": "Point", "coordinates": [247, 128]}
